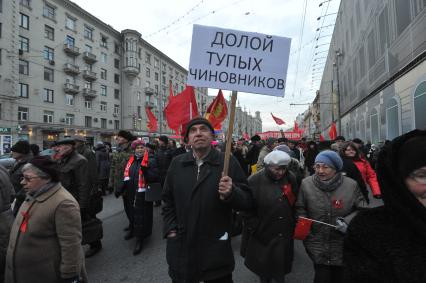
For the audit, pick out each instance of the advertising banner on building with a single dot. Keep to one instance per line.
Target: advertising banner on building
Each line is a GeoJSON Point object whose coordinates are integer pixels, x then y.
{"type": "Point", "coordinates": [277, 134]}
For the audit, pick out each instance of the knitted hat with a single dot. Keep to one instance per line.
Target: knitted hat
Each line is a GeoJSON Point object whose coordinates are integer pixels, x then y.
{"type": "Point", "coordinates": [47, 165]}
{"type": "Point", "coordinates": [70, 141]}
{"type": "Point", "coordinates": [127, 135]}
{"type": "Point", "coordinates": [164, 139]}
{"type": "Point", "coordinates": [21, 147]}
{"type": "Point", "coordinates": [137, 142]}
{"type": "Point", "coordinates": [278, 158]}
{"type": "Point", "coordinates": [412, 155]}
{"type": "Point", "coordinates": [330, 158]}
{"type": "Point", "coordinates": [198, 121]}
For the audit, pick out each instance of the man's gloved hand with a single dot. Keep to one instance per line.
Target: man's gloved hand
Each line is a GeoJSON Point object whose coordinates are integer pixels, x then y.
{"type": "Point", "coordinates": [341, 225]}
{"type": "Point", "coordinates": [75, 279]}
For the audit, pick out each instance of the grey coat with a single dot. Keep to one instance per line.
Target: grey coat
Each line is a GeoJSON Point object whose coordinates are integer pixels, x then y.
{"type": "Point", "coordinates": [324, 244]}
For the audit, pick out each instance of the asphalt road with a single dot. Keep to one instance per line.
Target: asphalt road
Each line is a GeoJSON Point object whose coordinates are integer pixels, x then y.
{"type": "Point", "coordinates": [116, 263]}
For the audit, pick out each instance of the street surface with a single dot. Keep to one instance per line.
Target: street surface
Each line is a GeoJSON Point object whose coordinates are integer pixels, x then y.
{"type": "Point", "coordinates": [116, 263]}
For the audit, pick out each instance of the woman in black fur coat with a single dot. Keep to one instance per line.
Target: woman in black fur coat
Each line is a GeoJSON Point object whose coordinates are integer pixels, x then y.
{"type": "Point", "coordinates": [388, 243]}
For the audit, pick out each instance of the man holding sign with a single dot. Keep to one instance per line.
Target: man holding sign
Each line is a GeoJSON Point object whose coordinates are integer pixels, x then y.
{"type": "Point", "coordinates": [198, 202]}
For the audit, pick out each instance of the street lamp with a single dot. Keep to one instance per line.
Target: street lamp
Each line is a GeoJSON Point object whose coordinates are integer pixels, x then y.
{"type": "Point", "coordinates": [323, 16]}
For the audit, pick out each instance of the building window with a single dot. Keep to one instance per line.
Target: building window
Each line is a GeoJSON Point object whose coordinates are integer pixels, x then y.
{"type": "Point", "coordinates": [116, 109]}
{"type": "Point", "coordinates": [402, 10]}
{"type": "Point", "coordinates": [23, 67]}
{"type": "Point", "coordinates": [103, 90]}
{"type": "Point", "coordinates": [88, 32]}
{"type": "Point", "coordinates": [116, 124]}
{"type": "Point", "coordinates": [117, 63]}
{"type": "Point", "coordinates": [48, 53]}
{"type": "Point", "coordinates": [156, 76]}
{"type": "Point", "coordinates": [103, 74]}
{"type": "Point", "coordinates": [23, 90]}
{"type": "Point", "coordinates": [148, 73]}
{"type": "Point", "coordinates": [103, 57]}
{"type": "Point", "coordinates": [104, 41]}
{"type": "Point", "coordinates": [163, 80]}
{"type": "Point", "coordinates": [22, 114]}
{"type": "Point", "coordinates": [88, 85]}
{"type": "Point", "coordinates": [70, 41]}
{"type": "Point", "coordinates": [49, 32]}
{"type": "Point", "coordinates": [88, 48]}
{"type": "Point", "coordinates": [69, 99]}
{"type": "Point", "coordinates": [48, 95]}
{"type": "Point", "coordinates": [392, 119]}
{"type": "Point", "coordinates": [116, 48]}
{"type": "Point", "coordinates": [87, 121]}
{"type": "Point", "coordinates": [88, 104]}
{"type": "Point", "coordinates": [103, 123]}
{"type": "Point", "coordinates": [156, 63]}
{"type": "Point", "coordinates": [24, 21]}
{"type": "Point", "coordinates": [148, 58]}
{"type": "Point", "coordinates": [156, 89]}
{"type": "Point", "coordinates": [70, 23]}
{"type": "Point", "coordinates": [24, 44]}
{"type": "Point", "coordinates": [48, 117]}
{"type": "Point", "coordinates": [420, 106]}
{"type": "Point", "coordinates": [116, 94]}
{"type": "Point", "coordinates": [374, 126]}
{"type": "Point", "coordinates": [48, 74]}
{"type": "Point", "coordinates": [49, 11]}
{"type": "Point", "coordinates": [103, 106]}
{"type": "Point", "coordinates": [25, 3]}
{"type": "Point", "coordinates": [117, 78]}
{"type": "Point", "coordinates": [69, 119]}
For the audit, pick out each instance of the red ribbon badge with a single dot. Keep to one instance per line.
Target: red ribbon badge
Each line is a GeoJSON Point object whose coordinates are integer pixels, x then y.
{"type": "Point", "coordinates": [288, 193]}
{"type": "Point", "coordinates": [337, 203]}
{"type": "Point", "coordinates": [24, 224]}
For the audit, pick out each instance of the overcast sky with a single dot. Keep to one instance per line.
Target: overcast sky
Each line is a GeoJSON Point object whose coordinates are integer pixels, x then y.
{"type": "Point", "coordinates": [167, 25]}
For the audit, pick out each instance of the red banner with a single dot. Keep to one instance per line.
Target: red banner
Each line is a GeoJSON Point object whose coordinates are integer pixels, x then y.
{"type": "Point", "coordinates": [277, 134]}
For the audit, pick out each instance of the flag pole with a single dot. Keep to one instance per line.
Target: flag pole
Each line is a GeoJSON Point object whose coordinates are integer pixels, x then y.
{"type": "Point", "coordinates": [320, 222]}
{"type": "Point", "coordinates": [229, 133]}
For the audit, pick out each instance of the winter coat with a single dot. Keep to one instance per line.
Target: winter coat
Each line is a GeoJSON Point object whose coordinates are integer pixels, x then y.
{"type": "Point", "coordinates": [368, 175]}
{"type": "Point", "coordinates": [387, 244]}
{"type": "Point", "coordinates": [252, 155]}
{"type": "Point", "coordinates": [310, 155]}
{"type": "Point", "coordinates": [92, 171]}
{"type": "Point", "coordinates": [164, 157]}
{"type": "Point", "coordinates": [50, 248]}
{"type": "Point", "coordinates": [103, 162]}
{"type": "Point", "coordinates": [118, 162]}
{"type": "Point", "coordinates": [324, 244]}
{"type": "Point", "coordinates": [268, 230]}
{"type": "Point", "coordinates": [6, 216]}
{"type": "Point", "coordinates": [238, 154]}
{"type": "Point", "coordinates": [16, 175]}
{"type": "Point", "coordinates": [73, 170]}
{"type": "Point", "coordinates": [263, 152]}
{"type": "Point", "coordinates": [202, 248]}
{"type": "Point", "coordinates": [351, 171]}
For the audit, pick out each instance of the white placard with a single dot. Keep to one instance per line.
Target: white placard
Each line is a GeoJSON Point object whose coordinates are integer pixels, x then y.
{"type": "Point", "coordinates": [238, 60]}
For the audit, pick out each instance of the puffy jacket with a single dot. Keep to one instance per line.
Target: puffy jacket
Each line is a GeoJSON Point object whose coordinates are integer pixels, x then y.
{"type": "Point", "coordinates": [368, 174]}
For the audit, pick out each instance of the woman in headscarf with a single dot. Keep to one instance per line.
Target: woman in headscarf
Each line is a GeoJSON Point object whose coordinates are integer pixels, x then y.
{"type": "Point", "coordinates": [333, 199]}
{"type": "Point", "coordinates": [45, 240]}
{"type": "Point", "coordinates": [387, 244]}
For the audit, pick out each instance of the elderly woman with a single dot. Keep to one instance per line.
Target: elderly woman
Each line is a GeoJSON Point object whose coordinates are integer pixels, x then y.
{"type": "Point", "coordinates": [268, 231]}
{"type": "Point", "coordinates": [333, 199]}
{"type": "Point", "coordinates": [387, 244]}
{"type": "Point", "coordinates": [140, 170]}
{"type": "Point", "coordinates": [45, 240]}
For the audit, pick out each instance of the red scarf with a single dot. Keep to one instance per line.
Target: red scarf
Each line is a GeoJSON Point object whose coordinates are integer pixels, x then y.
{"type": "Point", "coordinates": [141, 181]}
{"type": "Point", "coordinates": [288, 193]}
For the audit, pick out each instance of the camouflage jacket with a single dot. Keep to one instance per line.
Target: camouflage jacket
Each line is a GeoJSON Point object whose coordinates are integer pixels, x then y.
{"type": "Point", "coordinates": [118, 162]}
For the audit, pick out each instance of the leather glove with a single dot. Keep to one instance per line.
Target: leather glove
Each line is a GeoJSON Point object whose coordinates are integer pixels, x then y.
{"type": "Point", "coordinates": [75, 279]}
{"type": "Point", "coordinates": [341, 225]}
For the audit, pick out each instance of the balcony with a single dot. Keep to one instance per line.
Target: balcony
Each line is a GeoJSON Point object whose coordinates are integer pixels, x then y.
{"type": "Point", "coordinates": [71, 88]}
{"type": "Point", "coordinates": [71, 49]}
{"type": "Point", "coordinates": [89, 75]}
{"type": "Point", "coordinates": [149, 91]}
{"type": "Point", "coordinates": [89, 57]}
{"type": "Point", "coordinates": [89, 93]}
{"type": "Point", "coordinates": [71, 69]}
{"type": "Point", "coordinates": [131, 71]}
{"type": "Point", "coordinates": [149, 104]}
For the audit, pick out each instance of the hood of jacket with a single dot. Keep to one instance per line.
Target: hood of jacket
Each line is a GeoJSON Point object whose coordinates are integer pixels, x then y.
{"type": "Point", "coordinates": [399, 201]}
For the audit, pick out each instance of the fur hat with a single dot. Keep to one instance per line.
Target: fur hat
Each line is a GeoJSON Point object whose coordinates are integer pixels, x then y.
{"type": "Point", "coordinates": [47, 165]}
{"type": "Point", "coordinates": [331, 158]}
{"type": "Point", "coordinates": [198, 121]}
{"type": "Point", "coordinates": [21, 147]}
{"type": "Point", "coordinates": [127, 135]}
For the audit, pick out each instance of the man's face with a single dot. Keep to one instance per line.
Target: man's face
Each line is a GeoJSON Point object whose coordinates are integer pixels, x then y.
{"type": "Point", "coordinates": [276, 172]}
{"type": "Point", "coordinates": [161, 143]}
{"type": "Point", "coordinates": [291, 145]}
{"type": "Point", "coordinates": [120, 140]}
{"type": "Point", "coordinates": [200, 137]}
{"type": "Point", "coordinates": [64, 149]}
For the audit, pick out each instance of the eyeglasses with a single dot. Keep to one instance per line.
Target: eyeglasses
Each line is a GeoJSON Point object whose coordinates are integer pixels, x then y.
{"type": "Point", "coordinates": [419, 176]}
{"type": "Point", "coordinates": [321, 166]}
{"type": "Point", "coordinates": [28, 179]}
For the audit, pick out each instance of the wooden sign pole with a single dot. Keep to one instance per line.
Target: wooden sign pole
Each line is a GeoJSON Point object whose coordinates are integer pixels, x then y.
{"type": "Point", "coordinates": [229, 133]}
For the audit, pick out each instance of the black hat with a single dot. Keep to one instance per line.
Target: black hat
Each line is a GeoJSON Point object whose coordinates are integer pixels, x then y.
{"type": "Point", "coordinates": [198, 121]}
{"type": "Point", "coordinates": [255, 138]}
{"type": "Point", "coordinates": [66, 141]}
{"type": "Point", "coordinates": [340, 138]}
{"type": "Point", "coordinates": [35, 149]}
{"type": "Point", "coordinates": [410, 155]}
{"type": "Point", "coordinates": [47, 165]}
{"type": "Point", "coordinates": [127, 135]}
{"type": "Point", "coordinates": [164, 139]}
{"type": "Point", "coordinates": [21, 147]}
{"type": "Point", "coordinates": [357, 140]}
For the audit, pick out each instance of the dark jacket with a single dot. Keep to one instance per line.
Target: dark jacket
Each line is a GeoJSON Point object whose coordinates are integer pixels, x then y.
{"type": "Point", "coordinates": [387, 244]}
{"type": "Point", "coordinates": [103, 162]}
{"type": "Point", "coordinates": [92, 172]}
{"type": "Point", "coordinates": [163, 158]}
{"type": "Point", "coordinates": [268, 230]}
{"type": "Point", "coordinates": [15, 174]}
{"type": "Point", "coordinates": [6, 216]}
{"type": "Point", "coordinates": [351, 171]}
{"type": "Point", "coordinates": [253, 154]}
{"type": "Point", "coordinates": [73, 176]}
{"type": "Point", "coordinates": [202, 248]}
{"type": "Point", "coordinates": [118, 162]}
{"type": "Point", "coordinates": [310, 155]}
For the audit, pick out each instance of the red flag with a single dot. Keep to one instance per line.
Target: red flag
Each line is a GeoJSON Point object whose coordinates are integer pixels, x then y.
{"type": "Point", "coordinates": [303, 227]}
{"type": "Point", "coordinates": [296, 127]}
{"type": "Point", "coordinates": [181, 109]}
{"type": "Point", "coordinates": [217, 111]}
{"type": "Point", "coordinates": [277, 120]}
{"type": "Point", "coordinates": [333, 132]}
{"type": "Point", "coordinates": [288, 193]}
{"type": "Point", "coordinates": [322, 138]}
{"type": "Point", "coordinates": [152, 121]}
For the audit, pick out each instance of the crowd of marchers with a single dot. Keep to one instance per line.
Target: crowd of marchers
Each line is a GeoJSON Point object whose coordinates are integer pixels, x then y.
{"type": "Point", "coordinates": [360, 210]}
